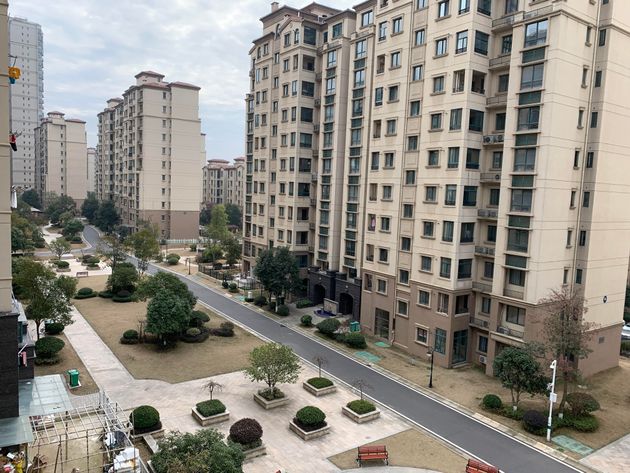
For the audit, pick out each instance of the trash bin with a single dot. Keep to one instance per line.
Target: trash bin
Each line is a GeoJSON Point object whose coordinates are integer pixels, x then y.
{"type": "Point", "coordinates": [355, 327]}
{"type": "Point", "coordinates": [73, 378]}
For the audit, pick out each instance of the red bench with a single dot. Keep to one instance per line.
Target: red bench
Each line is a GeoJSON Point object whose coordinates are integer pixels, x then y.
{"type": "Point", "coordinates": [374, 452]}
{"type": "Point", "coordinates": [475, 466]}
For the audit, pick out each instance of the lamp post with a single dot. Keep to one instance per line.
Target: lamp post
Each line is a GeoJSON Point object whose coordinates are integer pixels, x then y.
{"type": "Point", "coordinates": [430, 355]}
{"type": "Point", "coordinates": [553, 397]}
{"type": "Point", "coordinates": [188, 261]}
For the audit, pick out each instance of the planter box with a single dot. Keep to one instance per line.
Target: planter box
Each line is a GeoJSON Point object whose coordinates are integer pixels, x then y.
{"type": "Point", "coordinates": [215, 419]}
{"type": "Point", "coordinates": [270, 404]}
{"type": "Point", "coordinates": [360, 418]}
{"type": "Point", "coordinates": [255, 452]}
{"type": "Point", "coordinates": [319, 392]}
{"type": "Point", "coordinates": [156, 434]}
{"type": "Point", "coordinates": [313, 434]}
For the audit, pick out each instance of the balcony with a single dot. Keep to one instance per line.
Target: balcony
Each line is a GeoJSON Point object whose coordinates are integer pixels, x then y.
{"type": "Point", "coordinates": [481, 322]}
{"type": "Point", "coordinates": [500, 62]}
{"type": "Point", "coordinates": [510, 332]}
{"type": "Point", "coordinates": [484, 251]}
{"type": "Point", "coordinates": [490, 214]}
{"type": "Point", "coordinates": [497, 101]}
{"type": "Point", "coordinates": [482, 286]}
{"type": "Point", "coordinates": [514, 293]}
{"type": "Point", "coordinates": [490, 177]}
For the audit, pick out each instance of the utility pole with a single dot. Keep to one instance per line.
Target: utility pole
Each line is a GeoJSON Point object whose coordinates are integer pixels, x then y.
{"type": "Point", "coordinates": [553, 397]}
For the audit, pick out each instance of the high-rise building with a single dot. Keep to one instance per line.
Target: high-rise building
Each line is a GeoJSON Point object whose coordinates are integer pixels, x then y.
{"type": "Point", "coordinates": [223, 181]}
{"type": "Point", "coordinates": [150, 150]}
{"type": "Point", "coordinates": [467, 160]}
{"type": "Point", "coordinates": [61, 158]}
{"type": "Point", "coordinates": [91, 169]}
{"type": "Point", "coordinates": [26, 49]}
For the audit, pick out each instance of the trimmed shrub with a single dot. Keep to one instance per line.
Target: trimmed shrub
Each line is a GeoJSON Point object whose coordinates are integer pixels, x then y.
{"type": "Point", "coordinates": [492, 402]}
{"type": "Point", "coordinates": [225, 284]}
{"type": "Point", "coordinates": [361, 406]}
{"type": "Point", "coordinates": [282, 311]}
{"type": "Point", "coordinates": [195, 335]}
{"type": "Point", "coordinates": [131, 334]}
{"type": "Point", "coordinates": [225, 330]}
{"type": "Point", "coordinates": [584, 423]}
{"type": "Point", "coordinates": [92, 260]}
{"type": "Point", "coordinates": [193, 332]}
{"type": "Point", "coordinates": [246, 432]}
{"type": "Point", "coordinates": [124, 296]}
{"type": "Point", "coordinates": [233, 288]}
{"type": "Point", "coordinates": [76, 239]}
{"type": "Point", "coordinates": [340, 337]}
{"type": "Point", "coordinates": [271, 394]}
{"type": "Point", "coordinates": [145, 419]}
{"type": "Point", "coordinates": [319, 383]}
{"type": "Point", "coordinates": [306, 321]}
{"type": "Point", "coordinates": [61, 264]}
{"type": "Point", "coordinates": [260, 301]}
{"type": "Point", "coordinates": [310, 418]}
{"type": "Point", "coordinates": [85, 291]}
{"type": "Point", "coordinates": [535, 422]}
{"type": "Point", "coordinates": [510, 413]}
{"type": "Point", "coordinates": [172, 261]}
{"type": "Point", "coordinates": [210, 408]}
{"type": "Point", "coordinates": [193, 247]}
{"type": "Point", "coordinates": [328, 327]}
{"type": "Point", "coordinates": [198, 318]}
{"type": "Point", "coordinates": [105, 295]}
{"type": "Point", "coordinates": [54, 328]}
{"type": "Point", "coordinates": [48, 347]}
{"type": "Point", "coordinates": [355, 340]}
{"type": "Point", "coordinates": [582, 403]}
{"type": "Point", "coordinates": [303, 303]}
{"type": "Point", "coordinates": [173, 256]}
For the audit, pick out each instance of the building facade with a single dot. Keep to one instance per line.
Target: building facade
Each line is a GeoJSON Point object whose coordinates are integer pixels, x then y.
{"type": "Point", "coordinates": [26, 49]}
{"type": "Point", "coordinates": [61, 158]}
{"type": "Point", "coordinates": [442, 185]}
{"type": "Point", "coordinates": [91, 169]}
{"type": "Point", "coordinates": [150, 149]}
{"type": "Point", "coordinates": [223, 181]}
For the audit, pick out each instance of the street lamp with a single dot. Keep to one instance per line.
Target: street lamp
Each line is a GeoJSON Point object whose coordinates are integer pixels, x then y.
{"type": "Point", "coordinates": [553, 397]}
{"type": "Point", "coordinates": [188, 261]}
{"type": "Point", "coordinates": [430, 355]}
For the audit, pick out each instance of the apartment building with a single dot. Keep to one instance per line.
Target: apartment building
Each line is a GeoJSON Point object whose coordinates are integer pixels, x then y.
{"type": "Point", "coordinates": [480, 170]}
{"type": "Point", "coordinates": [61, 158]}
{"type": "Point", "coordinates": [223, 181]}
{"type": "Point", "coordinates": [91, 169]}
{"type": "Point", "coordinates": [150, 149]}
{"type": "Point", "coordinates": [26, 49]}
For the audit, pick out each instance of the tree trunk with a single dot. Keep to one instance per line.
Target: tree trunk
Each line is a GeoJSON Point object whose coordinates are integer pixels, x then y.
{"type": "Point", "coordinates": [565, 390]}
{"type": "Point", "coordinates": [37, 325]}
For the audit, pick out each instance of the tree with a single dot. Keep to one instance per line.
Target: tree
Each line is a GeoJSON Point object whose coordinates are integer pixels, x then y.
{"type": "Point", "coordinates": [362, 385]}
{"type": "Point", "coordinates": [72, 227]}
{"type": "Point", "coordinates": [201, 452]}
{"type": "Point", "coordinates": [114, 250]}
{"type": "Point", "coordinates": [25, 234]}
{"type": "Point", "coordinates": [273, 363]}
{"type": "Point", "coordinates": [566, 334]}
{"type": "Point", "coordinates": [58, 205]}
{"type": "Point", "coordinates": [145, 245]}
{"type": "Point", "coordinates": [167, 314]}
{"type": "Point", "coordinates": [59, 247]}
{"type": "Point", "coordinates": [277, 270]}
{"type": "Point", "coordinates": [211, 386]}
{"type": "Point", "coordinates": [264, 269]}
{"type": "Point", "coordinates": [212, 253]}
{"type": "Point", "coordinates": [106, 217]}
{"type": "Point", "coordinates": [234, 214]}
{"type": "Point", "coordinates": [31, 197]}
{"type": "Point", "coordinates": [90, 207]}
{"type": "Point", "coordinates": [519, 371]}
{"type": "Point", "coordinates": [123, 278]}
{"type": "Point", "coordinates": [320, 361]}
{"type": "Point", "coordinates": [206, 214]}
{"type": "Point", "coordinates": [233, 249]}
{"type": "Point", "coordinates": [217, 229]}
{"type": "Point", "coordinates": [165, 283]}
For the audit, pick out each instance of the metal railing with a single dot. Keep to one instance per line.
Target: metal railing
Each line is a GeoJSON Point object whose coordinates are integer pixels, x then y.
{"type": "Point", "coordinates": [484, 323]}
{"type": "Point", "coordinates": [510, 332]}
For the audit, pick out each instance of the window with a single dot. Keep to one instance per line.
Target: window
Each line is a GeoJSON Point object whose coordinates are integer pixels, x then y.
{"type": "Point", "coordinates": [403, 276]}
{"type": "Point", "coordinates": [310, 36]}
{"type": "Point", "coordinates": [405, 244]}
{"type": "Point", "coordinates": [428, 229]}
{"type": "Point", "coordinates": [459, 79]}
{"type": "Point", "coordinates": [445, 267]}
{"type": "Point", "coordinates": [391, 127]}
{"type": "Point", "coordinates": [461, 44]}
{"type": "Point", "coordinates": [425, 264]}
{"type": "Point", "coordinates": [528, 118]}
{"type": "Point", "coordinates": [450, 194]}
{"type": "Point", "coordinates": [581, 118]}
{"type": "Point", "coordinates": [381, 286]}
{"type": "Point", "coordinates": [475, 122]}
{"type": "Point", "coordinates": [430, 194]}
{"type": "Point", "coordinates": [497, 160]}
{"type": "Point", "coordinates": [594, 118]}
{"type": "Point", "coordinates": [470, 196]}
{"type": "Point", "coordinates": [486, 305]}
{"type": "Point", "coordinates": [499, 121]}
{"type": "Point", "coordinates": [515, 315]}
{"type": "Point", "coordinates": [407, 211]}
{"type": "Point", "coordinates": [598, 78]}
{"type": "Point", "coordinates": [472, 158]}
{"type": "Point", "coordinates": [414, 108]}
{"type": "Point", "coordinates": [387, 195]}
{"type": "Point", "coordinates": [378, 96]}
{"type": "Point", "coordinates": [578, 276]}
{"type": "Point", "coordinates": [373, 191]}
{"type": "Point", "coordinates": [397, 25]}
{"type": "Point", "coordinates": [424, 297]}
{"type": "Point", "coordinates": [422, 334]}
{"type": "Point", "coordinates": [436, 121]}
{"type": "Point", "coordinates": [488, 270]}
{"type": "Point", "coordinates": [440, 336]}
{"type": "Point", "coordinates": [389, 160]}
{"type": "Point", "coordinates": [383, 255]}
{"type": "Point", "coordinates": [453, 158]}
{"type": "Point", "coordinates": [482, 345]}
{"type": "Point", "coordinates": [447, 230]}
{"type": "Point", "coordinates": [441, 47]}
{"type": "Point", "coordinates": [536, 33]}
{"type": "Point", "coordinates": [360, 49]}
{"type": "Point", "coordinates": [518, 240]}
{"type": "Point", "coordinates": [402, 307]}
{"type": "Point", "coordinates": [484, 6]}
{"type": "Point", "coordinates": [382, 31]}
{"type": "Point", "coordinates": [590, 157]}
{"type": "Point", "coordinates": [337, 30]}
{"type": "Point", "coordinates": [443, 301]}
{"type": "Point", "coordinates": [367, 18]}
{"type": "Point", "coordinates": [433, 158]}
{"type": "Point", "coordinates": [395, 60]}
{"type": "Point", "coordinates": [506, 44]}
{"type": "Point", "coordinates": [438, 84]}
{"type": "Point", "coordinates": [374, 161]}
{"type": "Point", "coordinates": [464, 6]}
{"type": "Point", "coordinates": [393, 93]}
{"type": "Point", "coordinates": [478, 84]}
{"type": "Point", "coordinates": [461, 304]}
{"type": "Point", "coordinates": [455, 122]}
{"type": "Point", "coordinates": [521, 200]}
{"type": "Point", "coordinates": [511, 6]}
{"type": "Point", "coordinates": [586, 199]}
{"type": "Point", "coordinates": [416, 73]}
{"type": "Point", "coordinates": [481, 42]}
{"type": "Point", "coordinates": [516, 277]}
{"type": "Point", "coordinates": [419, 37]}
{"type": "Point", "coordinates": [443, 8]}
{"type": "Point", "coordinates": [602, 38]}
{"type": "Point", "coordinates": [410, 178]}
{"type": "Point", "coordinates": [467, 232]}
{"type": "Point", "coordinates": [582, 238]}
{"type": "Point", "coordinates": [532, 76]}
{"type": "Point", "coordinates": [525, 159]}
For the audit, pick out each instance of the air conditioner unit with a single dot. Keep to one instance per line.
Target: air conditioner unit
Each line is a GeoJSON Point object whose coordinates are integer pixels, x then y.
{"type": "Point", "coordinates": [498, 138]}
{"type": "Point", "coordinates": [482, 359]}
{"type": "Point", "coordinates": [487, 139]}
{"type": "Point", "coordinates": [503, 330]}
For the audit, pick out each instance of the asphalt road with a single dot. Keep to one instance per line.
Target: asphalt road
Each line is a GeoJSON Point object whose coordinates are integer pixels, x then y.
{"type": "Point", "coordinates": [468, 434]}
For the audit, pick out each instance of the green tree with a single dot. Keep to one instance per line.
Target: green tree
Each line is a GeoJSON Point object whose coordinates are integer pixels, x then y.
{"type": "Point", "coordinates": [106, 217]}
{"type": "Point", "coordinates": [90, 206]}
{"type": "Point", "coordinates": [59, 247]}
{"type": "Point", "coordinates": [273, 363]}
{"type": "Point", "coordinates": [145, 246]}
{"type": "Point", "coordinates": [264, 269]}
{"type": "Point", "coordinates": [124, 277]}
{"type": "Point", "coordinates": [72, 227]}
{"type": "Point", "coordinates": [201, 452]}
{"type": "Point", "coordinates": [566, 334]}
{"type": "Point", "coordinates": [31, 198]}
{"type": "Point", "coordinates": [25, 235]}
{"type": "Point", "coordinates": [167, 315]}
{"type": "Point", "coordinates": [234, 214]}
{"type": "Point", "coordinates": [206, 214]}
{"type": "Point", "coordinates": [163, 282]}
{"type": "Point", "coordinates": [277, 270]}
{"type": "Point", "coordinates": [114, 250]}
{"type": "Point", "coordinates": [218, 229]}
{"type": "Point", "coordinates": [58, 206]}
{"type": "Point", "coordinates": [212, 253]}
{"type": "Point", "coordinates": [520, 372]}
{"type": "Point", "coordinates": [233, 249]}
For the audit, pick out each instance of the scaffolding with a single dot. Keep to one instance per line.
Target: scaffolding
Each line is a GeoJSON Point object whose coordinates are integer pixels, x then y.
{"type": "Point", "coordinates": [93, 436]}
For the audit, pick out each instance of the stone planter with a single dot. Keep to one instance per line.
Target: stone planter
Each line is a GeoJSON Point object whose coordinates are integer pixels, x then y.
{"type": "Point", "coordinates": [313, 434]}
{"type": "Point", "coordinates": [255, 452]}
{"type": "Point", "coordinates": [360, 418]}
{"type": "Point", "coordinates": [319, 392]}
{"type": "Point", "coordinates": [270, 404]}
{"type": "Point", "coordinates": [156, 434]}
{"type": "Point", "coordinates": [215, 419]}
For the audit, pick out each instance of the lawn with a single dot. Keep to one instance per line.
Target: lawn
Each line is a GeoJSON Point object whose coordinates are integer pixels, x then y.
{"type": "Point", "coordinates": [186, 361]}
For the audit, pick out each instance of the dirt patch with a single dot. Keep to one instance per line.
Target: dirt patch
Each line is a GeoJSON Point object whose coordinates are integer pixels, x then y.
{"type": "Point", "coordinates": [186, 361]}
{"type": "Point", "coordinates": [69, 360]}
{"type": "Point", "coordinates": [410, 448]}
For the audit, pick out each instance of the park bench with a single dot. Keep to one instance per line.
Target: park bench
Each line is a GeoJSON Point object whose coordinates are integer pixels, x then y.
{"type": "Point", "coordinates": [475, 466]}
{"type": "Point", "coordinates": [82, 274]}
{"type": "Point", "coordinates": [374, 452]}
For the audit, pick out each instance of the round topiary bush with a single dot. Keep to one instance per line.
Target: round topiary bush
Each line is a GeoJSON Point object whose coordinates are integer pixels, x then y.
{"type": "Point", "coordinates": [173, 256]}
{"type": "Point", "coordinates": [172, 261]}
{"type": "Point", "coordinates": [210, 408]}
{"type": "Point", "coordinates": [246, 432]}
{"type": "Point", "coordinates": [193, 332]}
{"type": "Point", "coordinates": [54, 328]}
{"type": "Point", "coordinates": [48, 347]}
{"type": "Point", "coordinates": [535, 422]}
{"type": "Point", "coordinates": [92, 260]}
{"type": "Point", "coordinates": [76, 239]}
{"type": "Point", "coordinates": [123, 296]}
{"type": "Point", "coordinates": [105, 294]}
{"type": "Point", "coordinates": [85, 291]}
{"type": "Point", "coordinates": [319, 383]}
{"type": "Point", "coordinates": [310, 418]}
{"type": "Point", "coordinates": [306, 321]}
{"type": "Point", "coordinates": [145, 419]}
{"type": "Point", "coordinates": [131, 334]}
{"type": "Point", "coordinates": [225, 284]}
{"type": "Point", "coordinates": [355, 340]}
{"type": "Point", "coordinates": [328, 327]}
{"type": "Point", "coordinates": [260, 301]}
{"type": "Point", "coordinates": [198, 318]}
{"type": "Point", "coordinates": [361, 406]}
{"type": "Point", "coordinates": [62, 264]}
{"type": "Point", "coordinates": [582, 403]}
{"type": "Point", "coordinates": [492, 402]}
{"type": "Point", "coordinates": [233, 288]}
{"type": "Point", "coordinates": [283, 310]}
{"type": "Point", "coordinates": [225, 330]}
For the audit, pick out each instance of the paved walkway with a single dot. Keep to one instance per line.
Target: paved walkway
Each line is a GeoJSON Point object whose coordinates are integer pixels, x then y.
{"type": "Point", "coordinates": [613, 458]}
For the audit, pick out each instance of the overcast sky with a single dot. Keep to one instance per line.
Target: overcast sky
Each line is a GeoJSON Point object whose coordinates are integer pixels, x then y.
{"type": "Point", "coordinates": [93, 48]}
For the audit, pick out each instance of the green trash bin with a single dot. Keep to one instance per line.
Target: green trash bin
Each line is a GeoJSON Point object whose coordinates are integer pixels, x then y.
{"type": "Point", "coordinates": [73, 377]}
{"type": "Point", "coordinates": [355, 327]}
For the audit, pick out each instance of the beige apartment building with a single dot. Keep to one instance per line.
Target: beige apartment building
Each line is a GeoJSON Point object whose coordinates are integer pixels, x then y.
{"type": "Point", "coordinates": [223, 181]}
{"type": "Point", "coordinates": [61, 158]}
{"type": "Point", "coordinates": [467, 158]}
{"type": "Point", "coordinates": [150, 149]}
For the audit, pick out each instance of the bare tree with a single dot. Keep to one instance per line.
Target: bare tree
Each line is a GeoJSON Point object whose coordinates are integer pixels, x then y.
{"type": "Point", "coordinates": [212, 386]}
{"type": "Point", "coordinates": [320, 361]}
{"type": "Point", "coordinates": [566, 334]}
{"type": "Point", "coordinates": [361, 385]}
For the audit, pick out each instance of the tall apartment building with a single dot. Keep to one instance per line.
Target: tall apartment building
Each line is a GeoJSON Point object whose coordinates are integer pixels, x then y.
{"type": "Point", "coordinates": [61, 157]}
{"type": "Point", "coordinates": [150, 149]}
{"type": "Point", "coordinates": [478, 150]}
{"type": "Point", "coordinates": [223, 181]}
{"type": "Point", "coordinates": [26, 49]}
{"type": "Point", "coordinates": [91, 169]}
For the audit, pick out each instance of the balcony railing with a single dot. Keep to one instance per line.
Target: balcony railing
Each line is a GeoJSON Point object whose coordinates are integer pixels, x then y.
{"type": "Point", "coordinates": [479, 322]}
{"type": "Point", "coordinates": [513, 293]}
{"type": "Point", "coordinates": [497, 100]}
{"type": "Point", "coordinates": [500, 61]}
{"type": "Point", "coordinates": [487, 213]}
{"type": "Point", "coordinates": [482, 286]}
{"type": "Point", "coordinates": [510, 332]}
{"type": "Point", "coordinates": [490, 176]}
{"type": "Point", "coordinates": [484, 251]}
